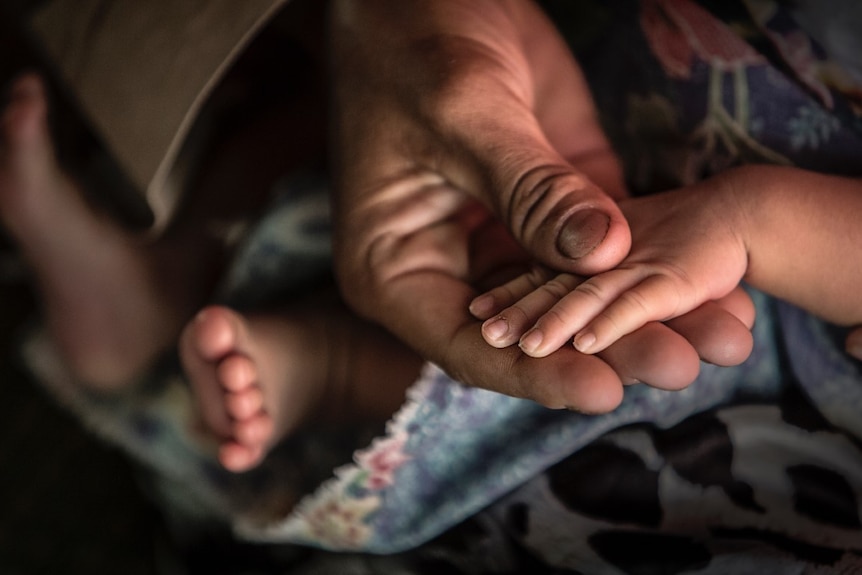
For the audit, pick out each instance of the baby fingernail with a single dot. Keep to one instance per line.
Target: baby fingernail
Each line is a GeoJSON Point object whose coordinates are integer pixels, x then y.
{"type": "Point", "coordinates": [495, 328]}
{"type": "Point", "coordinates": [531, 341]}
{"type": "Point", "coordinates": [582, 232]}
{"type": "Point", "coordinates": [584, 342]}
{"type": "Point", "coordinates": [482, 305]}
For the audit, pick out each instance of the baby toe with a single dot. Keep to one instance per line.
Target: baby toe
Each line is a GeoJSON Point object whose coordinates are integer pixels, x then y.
{"type": "Point", "coordinates": [237, 373]}
{"type": "Point", "coordinates": [244, 404]}
{"type": "Point", "coordinates": [254, 431]}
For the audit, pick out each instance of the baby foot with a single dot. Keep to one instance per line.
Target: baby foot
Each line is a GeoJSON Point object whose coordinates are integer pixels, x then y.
{"type": "Point", "coordinates": [105, 298]}
{"type": "Point", "coordinates": [252, 377]}
{"type": "Point", "coordinates": [258, 378]}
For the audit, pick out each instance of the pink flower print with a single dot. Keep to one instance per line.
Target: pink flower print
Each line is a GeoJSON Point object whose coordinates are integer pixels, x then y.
{"type": "Point", "coordinates": [381, 461]}
{"type": "Point", "coordinates": [678, 30]}
{"type": "Point", "coordinates": [339, 521]}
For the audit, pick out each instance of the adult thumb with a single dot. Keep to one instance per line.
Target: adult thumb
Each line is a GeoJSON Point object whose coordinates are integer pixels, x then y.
{"type": "Point", "coordinates": [559, 170]}
{"type": "Point", "coordinates": [532, 137]}
{"type": "Point", "coordinates": [556, 212]}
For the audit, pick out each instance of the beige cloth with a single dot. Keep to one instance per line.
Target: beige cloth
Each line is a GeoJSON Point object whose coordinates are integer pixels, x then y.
{"type": "Point", "coordinates": [142, 69]}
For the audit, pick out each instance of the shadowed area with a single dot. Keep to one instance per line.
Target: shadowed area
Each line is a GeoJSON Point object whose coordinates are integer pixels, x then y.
{"type": "Point", "coordinates": [69, 503]}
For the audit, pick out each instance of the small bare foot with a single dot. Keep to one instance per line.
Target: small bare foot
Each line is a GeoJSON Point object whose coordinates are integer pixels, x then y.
{"type": "Point", "coordinates": [217, 350]}
{"type": "Point", "coordinates": [258, 378]}
{"type": "Point", "coordinates": [109, 304]}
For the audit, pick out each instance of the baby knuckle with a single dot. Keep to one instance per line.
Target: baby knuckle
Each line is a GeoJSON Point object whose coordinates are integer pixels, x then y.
{"type": "Point", "coordinates": [516, 314]}
{"type": "Point", "coordinates": [634, 300]}
{"type": "Point", "coordinates": [537, 276]}
{"type": "Point", "coordinates": [553, 319]}
{"type": "Point", "coordinates": [557, 287]}
{"type": "Point", "coordinates": [676, 290]}
{"type": "Point", "coordinates": [591, 290]}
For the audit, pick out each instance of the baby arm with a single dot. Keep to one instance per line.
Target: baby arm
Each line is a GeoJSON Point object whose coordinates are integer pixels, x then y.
{"type": "Point", "coordinates": [783, 230]}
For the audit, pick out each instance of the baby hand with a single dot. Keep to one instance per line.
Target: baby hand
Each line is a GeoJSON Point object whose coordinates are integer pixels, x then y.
{"type": "Point", "coordinates": [688, 248]}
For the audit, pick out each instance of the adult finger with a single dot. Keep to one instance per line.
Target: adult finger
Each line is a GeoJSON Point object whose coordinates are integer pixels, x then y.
{"type": "Point", "coordinates": [720, 330]}
{"type": "Point", "coordinates": [654, 355]}
{"type": "Point", "coordinates": [667, 355]}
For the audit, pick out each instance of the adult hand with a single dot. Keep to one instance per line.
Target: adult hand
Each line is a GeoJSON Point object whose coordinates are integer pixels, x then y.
{"type": "Point", "coordinates": [451, 116]}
